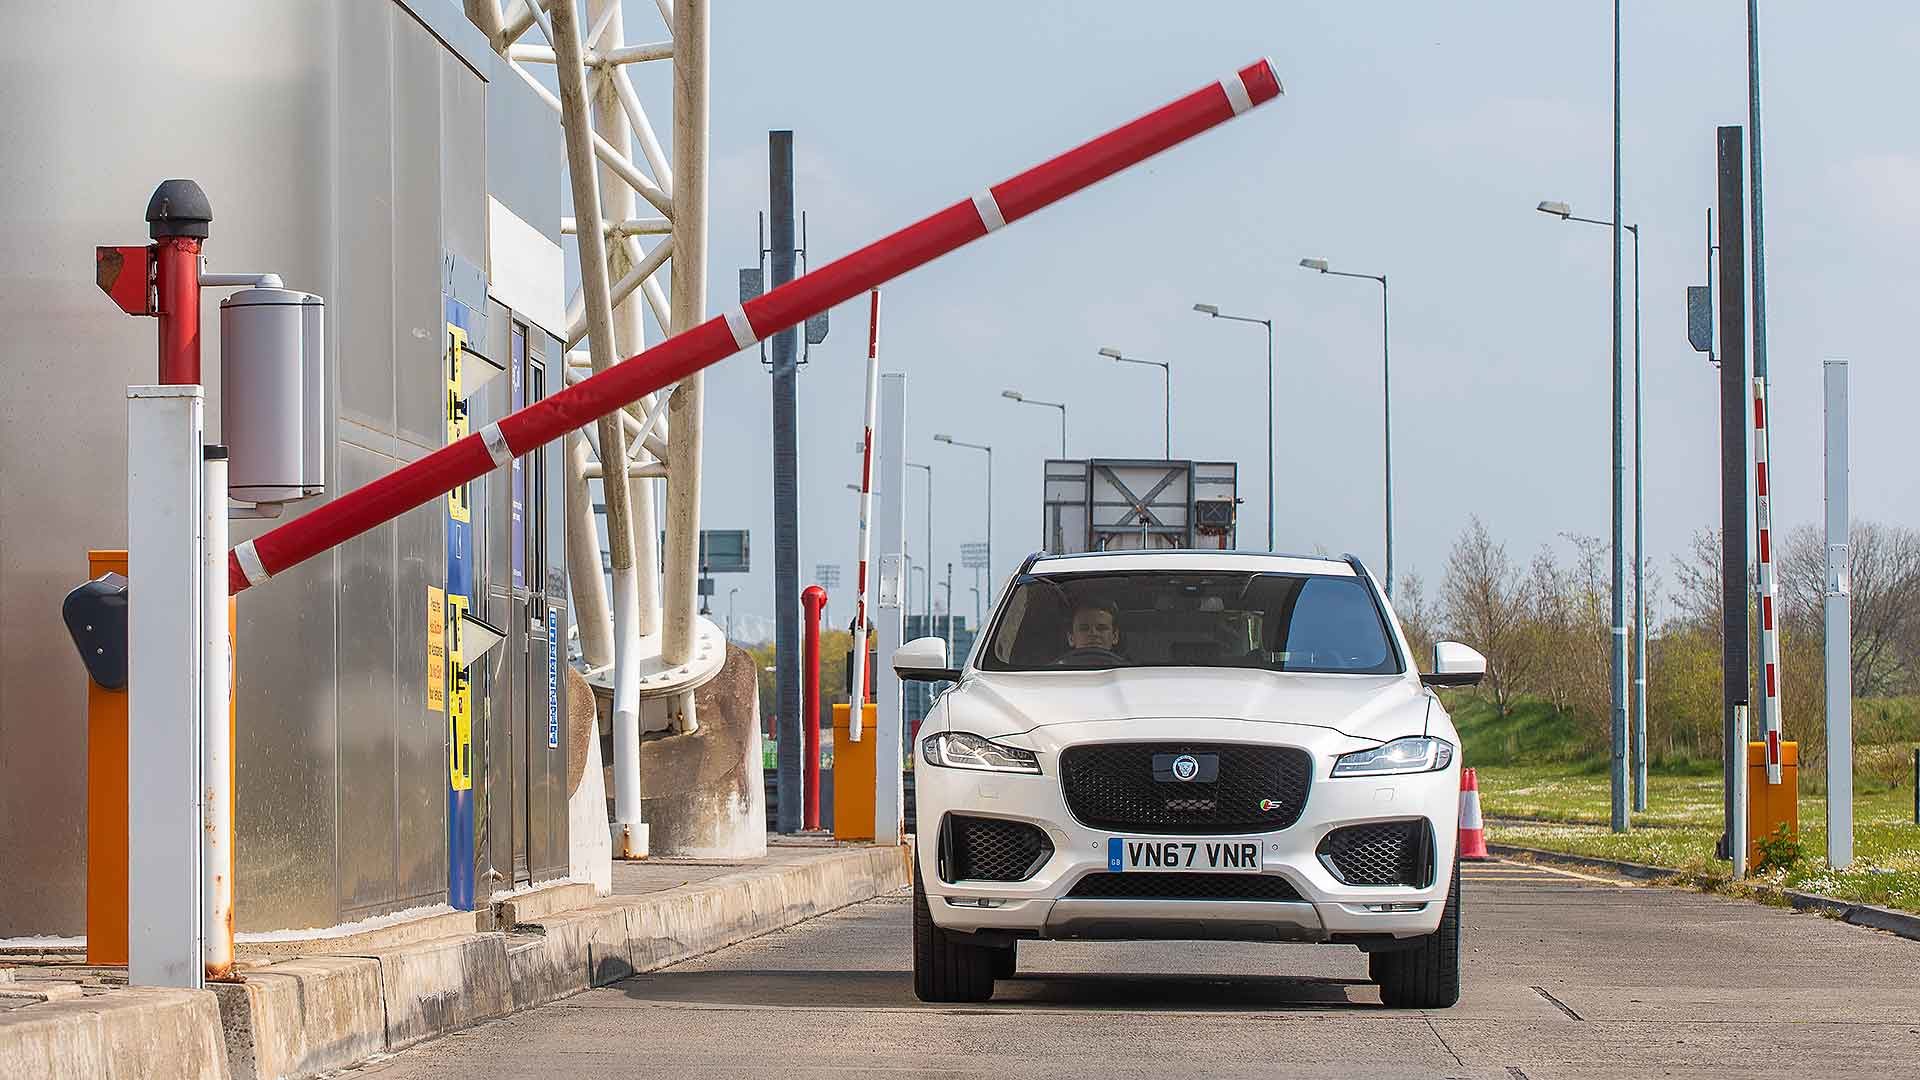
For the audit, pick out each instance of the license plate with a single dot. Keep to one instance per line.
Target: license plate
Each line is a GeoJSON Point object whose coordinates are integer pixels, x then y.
{"type": "Point", "coordinates": [1223, 855]}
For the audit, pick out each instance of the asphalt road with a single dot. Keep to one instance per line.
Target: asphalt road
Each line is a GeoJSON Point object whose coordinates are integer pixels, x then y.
{"type": "Point", "coordinates": [1567, 976]}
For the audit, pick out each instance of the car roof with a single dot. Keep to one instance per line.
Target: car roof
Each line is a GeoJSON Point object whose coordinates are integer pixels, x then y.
{"type": "Point", "coordinates": [1243, 561]}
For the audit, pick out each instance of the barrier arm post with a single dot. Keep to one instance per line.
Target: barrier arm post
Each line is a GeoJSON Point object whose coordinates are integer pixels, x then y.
{"type": "Point", "coordinates": [254, 561]}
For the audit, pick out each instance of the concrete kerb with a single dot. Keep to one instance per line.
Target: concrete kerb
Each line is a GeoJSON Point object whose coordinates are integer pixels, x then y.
{"type": "Point", "coordinates": [303, 1017]}
{"type": "Point", "coordinates": [126, 1034]}
{"type": "Point", "coordinates": [1868, 915]}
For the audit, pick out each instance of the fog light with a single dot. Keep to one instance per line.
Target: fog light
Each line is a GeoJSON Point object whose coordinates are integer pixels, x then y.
{"type": "Point", "coordinates": [1385, 909]}
{"type": "Point", "coordinates": [974, 901]}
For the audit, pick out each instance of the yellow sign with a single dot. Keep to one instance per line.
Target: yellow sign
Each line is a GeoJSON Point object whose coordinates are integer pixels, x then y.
{"type": "Point", "coordinates": [436, 650]}
{"type": "Point", "coordinates": [456, 416]}
{"type": "Point", "coordinates": [459, 704]}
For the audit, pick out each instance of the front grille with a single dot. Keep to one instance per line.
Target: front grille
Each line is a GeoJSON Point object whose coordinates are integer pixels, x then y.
{"type": "Point", "coordinates": [1150, 886]}
{"type": "Point", "coordinates": [1381, 853]}
{"type": "Point", "coordinates": [1256, 788]}
{"type": "Point", "coordinates": [989, 849]}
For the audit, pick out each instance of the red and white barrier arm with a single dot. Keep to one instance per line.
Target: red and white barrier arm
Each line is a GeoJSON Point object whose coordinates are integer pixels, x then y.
{"type": "Point", "coordinates": [1769, 628]}
{"type": "Point", "coordinates": [723, 335]}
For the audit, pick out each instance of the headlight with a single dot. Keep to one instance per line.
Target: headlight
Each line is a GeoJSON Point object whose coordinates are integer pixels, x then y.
{"type": "Point", "coordinates": [959, 750]}
{"type": "Point", "coordinates": [1420, 753]}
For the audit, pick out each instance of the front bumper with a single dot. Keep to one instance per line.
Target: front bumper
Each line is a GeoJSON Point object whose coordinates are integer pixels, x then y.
{"type": "Point", "coordinates": [1327, 909]}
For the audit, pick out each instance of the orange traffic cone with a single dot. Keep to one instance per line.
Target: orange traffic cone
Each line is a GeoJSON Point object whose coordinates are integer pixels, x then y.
{"type": "Point", "coordinates": [1473, 835]}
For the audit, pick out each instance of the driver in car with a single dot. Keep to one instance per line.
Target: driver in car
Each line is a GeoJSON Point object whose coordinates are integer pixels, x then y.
{"type": "Point", "coordinates": [1093, 631]}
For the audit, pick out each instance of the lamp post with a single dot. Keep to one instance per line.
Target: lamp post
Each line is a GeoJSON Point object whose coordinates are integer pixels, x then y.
{"type": "Point", "coordinates": [1213, 312]}
{"type": "Point", "coordinates": [731, 593]}
{"type": "Point", "coordinates": [951, 441]}
{"type": "Point", "coordinates": [1015, 395]}
{"type": "Point", "coordinates": [1639, 737]}
{"type": "Point", "coordinates": [1386, 395]}
{"type": "Point", "coordinates": [1166, 372]}
{"type": "Point", "coordinates": [926, 598]}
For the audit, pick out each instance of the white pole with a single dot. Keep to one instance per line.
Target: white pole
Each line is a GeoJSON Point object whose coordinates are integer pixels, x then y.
{"type": "Point", "coordinates": [217, 716]}
{"type": "Point", "coordinates": [891, 529]}
{"type": "Point", "coordinates": [858, 696]}
{"type": "Point", "coordinates": [1839, 651]}
{"type": "Point", "coordinates": [1740, 795]}
{"type": "Point", "coordinates": [165, 885]}
{"type": "Point", "coordinates": [1769, 627]}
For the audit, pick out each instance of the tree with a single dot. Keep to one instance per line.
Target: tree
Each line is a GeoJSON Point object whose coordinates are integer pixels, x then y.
{"type": "Point", "coordinates": [1417, 617]}
{"type": "Point", "coordinates": [1483, 606]}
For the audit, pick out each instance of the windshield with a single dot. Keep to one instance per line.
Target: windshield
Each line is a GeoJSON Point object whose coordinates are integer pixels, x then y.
{"type": "Point", "coordinates": [1157, 618]}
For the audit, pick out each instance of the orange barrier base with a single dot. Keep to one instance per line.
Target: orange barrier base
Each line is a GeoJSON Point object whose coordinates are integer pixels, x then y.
{"type": "Point", "coordinates": [853, 774]}
{"type": "Point", "coordinates": [1771, 805]}
{"type": "Point", "coordinates": [106, 804]}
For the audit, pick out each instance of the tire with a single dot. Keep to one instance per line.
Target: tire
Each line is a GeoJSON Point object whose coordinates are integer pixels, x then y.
{"type": "Point", "coordinates": [1426, 976]}
{"type": "Point", "coordinates": [1006, 961]}
{"type": "Point", "coordinates": [946, 968]}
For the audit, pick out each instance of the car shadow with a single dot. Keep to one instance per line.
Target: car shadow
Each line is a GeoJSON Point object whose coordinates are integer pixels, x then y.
{"type": "Point", "coordinates": [787, 988]}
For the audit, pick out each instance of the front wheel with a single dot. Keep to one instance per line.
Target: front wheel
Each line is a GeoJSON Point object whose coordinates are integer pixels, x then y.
{"type": "Point", "coordinates": [946, 967]}
{"type": "Point", "coordinates": [1426, 976]}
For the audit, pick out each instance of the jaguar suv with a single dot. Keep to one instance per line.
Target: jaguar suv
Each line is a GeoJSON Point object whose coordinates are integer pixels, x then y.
{"type": "Point", "coordinates": [1188, 745]}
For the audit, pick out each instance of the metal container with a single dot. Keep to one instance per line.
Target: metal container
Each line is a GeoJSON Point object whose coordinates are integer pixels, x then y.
{"type": "Point", "coordinates": [271, 341]}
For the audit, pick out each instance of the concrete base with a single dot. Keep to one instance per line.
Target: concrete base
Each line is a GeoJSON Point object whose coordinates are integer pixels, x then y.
{"type": "Point", "coordinates": [702, 793]}
{"type": "Point", "coordinates": [590, 847]}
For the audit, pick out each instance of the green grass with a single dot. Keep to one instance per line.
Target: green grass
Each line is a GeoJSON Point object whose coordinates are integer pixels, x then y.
{"type": "Point", "coordinates": [1568, 810]}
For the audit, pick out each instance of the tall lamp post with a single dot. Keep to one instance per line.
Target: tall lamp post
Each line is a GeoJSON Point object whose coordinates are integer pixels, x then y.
{"type": "Point", "coordinates": [1386, 395]}
{"type": "Point", "coordinates": [951, 441]}
{"type": "Point", "coordinates": [1213, 312]}
{"type": "Point", "coordinates": [1166, 372]}
{"type": "Point", "coordinates": [926, 598]}
{"type": "Point", "coordinates": [1639, 742]}
{"type": "Point", "coordinates": [1015, 395]}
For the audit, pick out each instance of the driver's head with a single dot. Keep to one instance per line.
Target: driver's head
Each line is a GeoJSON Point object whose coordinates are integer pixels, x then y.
{"type": "Point", "coordinates": [1095, 625]}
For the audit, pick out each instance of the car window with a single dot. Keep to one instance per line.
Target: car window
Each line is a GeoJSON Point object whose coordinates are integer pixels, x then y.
{"type": "Point", "coordinates": [1277, 622]}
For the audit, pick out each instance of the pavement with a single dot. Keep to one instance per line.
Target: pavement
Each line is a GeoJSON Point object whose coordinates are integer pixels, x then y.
{"type": "Point", "coordinates": [1567, 975]}
{"type": "Point", "coordinates": [306, 1008]}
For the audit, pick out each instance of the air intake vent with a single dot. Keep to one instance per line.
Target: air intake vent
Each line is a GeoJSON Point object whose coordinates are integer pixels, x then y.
{"type": "Point", "coordinates": [1381, 853]}
{"type": "Point", "coordinates": [990, 849]}
{"type": "Point", "coordinates": [1151, 886]}
{"type": "Point", "coordinates": [1237, 788]}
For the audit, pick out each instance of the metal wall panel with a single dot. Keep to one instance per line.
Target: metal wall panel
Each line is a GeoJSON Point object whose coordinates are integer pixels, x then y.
{"type": "Point", "coordinates": [363, 343]}
{"type": "Point", "coordinates": [493, 775]}
{"type": "Point", "coordinates": [555, 859]}
{"type": "Point", "coordinates": [420, 735]}
{"type": "Point", "coordinates": [526, 152]}
{"type": "Point", "coordinates": [419, 323]}
{"type": "Point", "coordinates": [367, 806]}
{"type": "Point", "coordinates": [463, 161]}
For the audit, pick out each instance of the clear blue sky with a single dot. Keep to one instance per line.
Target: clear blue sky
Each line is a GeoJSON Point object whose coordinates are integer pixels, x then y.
{"type": "Point", "coordinates": [1414, 140]}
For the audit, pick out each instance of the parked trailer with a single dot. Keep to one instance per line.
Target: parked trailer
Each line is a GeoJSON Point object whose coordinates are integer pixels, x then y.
{"type": "Point", "coordinates": [1126, 504]}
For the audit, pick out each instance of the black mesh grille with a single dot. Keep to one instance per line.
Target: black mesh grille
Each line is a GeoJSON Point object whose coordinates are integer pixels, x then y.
{"type": "Point", "coordinates": [989, 849]}
{"type": "Point", "coordinates": [1150, 886]}
{"type": "Point", "coordinates": [1381, 853]}
{"type": "Point", "coordinates": [1257, 788]}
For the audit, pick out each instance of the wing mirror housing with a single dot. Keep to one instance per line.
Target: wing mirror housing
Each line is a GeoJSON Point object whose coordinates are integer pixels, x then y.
{"type": "Point", "coordinates": [924, 659]}
{"type": "Point", "coordinates": [1455, 664]}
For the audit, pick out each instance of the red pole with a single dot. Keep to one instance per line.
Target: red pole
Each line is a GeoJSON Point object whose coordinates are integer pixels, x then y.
{"type": "Point", "coordinates": [336, 522]}
{"type": "Point", "coordinates": [814, 599]}
{"type": "Point", "coordinates": [177, 217]}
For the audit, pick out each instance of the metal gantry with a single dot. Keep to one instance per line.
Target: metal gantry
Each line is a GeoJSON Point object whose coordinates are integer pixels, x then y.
{"type": "Point", "coordinates": [649, 639]}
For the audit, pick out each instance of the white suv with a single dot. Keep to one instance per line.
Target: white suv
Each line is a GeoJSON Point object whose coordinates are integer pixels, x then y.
{"type": "Point", "coordinates": [1188, 745]}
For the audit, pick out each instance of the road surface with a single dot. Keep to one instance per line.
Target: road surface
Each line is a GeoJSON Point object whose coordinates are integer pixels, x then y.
{"type": "Point", "coordinates": [1566, 976]}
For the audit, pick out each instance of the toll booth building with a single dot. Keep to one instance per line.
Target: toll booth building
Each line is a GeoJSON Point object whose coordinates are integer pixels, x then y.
{"type": "Point", "coordinates": [378, 154]}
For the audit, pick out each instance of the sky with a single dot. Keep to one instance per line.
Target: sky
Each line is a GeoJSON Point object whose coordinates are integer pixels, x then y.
{"type": "Point", "coordinates": [1414, 140]}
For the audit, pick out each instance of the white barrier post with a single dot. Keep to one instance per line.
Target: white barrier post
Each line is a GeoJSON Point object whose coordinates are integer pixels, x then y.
{"type": "Point", "coordinates": [890, 468]}
{"type": "Point", "coordinates": [216, 716]}
{"type": "Point", "coordinates": [165, 707]}
{"type": "Point", "coordinates": [1839, 615]}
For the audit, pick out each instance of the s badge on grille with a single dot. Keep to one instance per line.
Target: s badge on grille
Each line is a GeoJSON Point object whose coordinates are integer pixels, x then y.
{"type": "Point", "coordinates": [1268, 806]}
{"type": "Point", "coordinates": [1186, 767]}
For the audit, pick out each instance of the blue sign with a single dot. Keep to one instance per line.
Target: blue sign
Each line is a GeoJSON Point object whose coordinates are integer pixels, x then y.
{"type": "Point", "coordinates": [553, 679]}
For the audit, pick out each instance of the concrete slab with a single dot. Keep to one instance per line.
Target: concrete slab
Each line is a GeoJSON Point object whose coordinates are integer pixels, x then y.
{"type": "Point", "coordinates": [127, 1034]}
{"type": "Point", "coordinates": [303, 1017]}
{"type": "Point", "coordinates": [439, 986]}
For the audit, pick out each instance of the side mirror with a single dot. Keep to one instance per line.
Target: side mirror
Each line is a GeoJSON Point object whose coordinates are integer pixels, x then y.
{"type": "Point", "coordinates": [1455, 664]}
{"type": "Point", "coordinates": [924, 660]}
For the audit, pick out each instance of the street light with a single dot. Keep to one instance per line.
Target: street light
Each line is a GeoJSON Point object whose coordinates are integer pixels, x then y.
{"type": "Point", "coordinates": [1015, 395]}
{"type": "Point", "coordinates": [1565, 213]}
{"type": "Point", "coordinates": [731, 593]}
{"type": "Point", "coordinates": [1166, 372]}
{"type": "Point", "coordinates": [926, 598]}
{"type": "Point", "coordinates": [951, 441]}
{"type": "Point", "coordinates": [1213, 312]}
{"type": "Point", "coordinates": [1386, 394]}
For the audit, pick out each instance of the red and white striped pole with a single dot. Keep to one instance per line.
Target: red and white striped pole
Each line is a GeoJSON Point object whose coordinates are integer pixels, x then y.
{"type": "Point", "coordinates": [856, 711]}
{"type": "Point", "coordinates": [1769, 628]}
{"type": "Point", "coordinates": [288, 545]}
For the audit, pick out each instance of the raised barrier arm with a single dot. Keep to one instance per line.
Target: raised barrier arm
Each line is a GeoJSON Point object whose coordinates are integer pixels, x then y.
{"type": "Point", "coordinates": [346, 517]}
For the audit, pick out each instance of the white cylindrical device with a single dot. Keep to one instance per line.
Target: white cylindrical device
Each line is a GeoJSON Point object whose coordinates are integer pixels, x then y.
{"type": "Point", "coordinates": [263, 376]}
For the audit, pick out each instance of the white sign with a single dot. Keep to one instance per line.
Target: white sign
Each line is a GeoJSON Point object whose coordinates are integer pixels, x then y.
{"type": "Point", "coordinates": [892, 573]}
